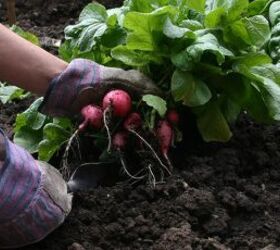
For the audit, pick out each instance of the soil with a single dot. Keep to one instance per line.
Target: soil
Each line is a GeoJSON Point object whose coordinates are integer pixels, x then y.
{"type": "Point", "coordinates": [49, 18]}
{"type": "Point", "coordinates": [221, 196]}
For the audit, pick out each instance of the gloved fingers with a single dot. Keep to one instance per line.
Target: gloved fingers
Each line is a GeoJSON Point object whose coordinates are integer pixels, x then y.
{"type": "Point", "coordinates": [56, 187]}
{"type": "Point", "coordinates": [143, 83]}
{"type": "Point", "coordinates": [64, 88]}
{"type": "Point", "coordinates": [86, 96]}
{"type": "Point", "coordinates": [132, 81]}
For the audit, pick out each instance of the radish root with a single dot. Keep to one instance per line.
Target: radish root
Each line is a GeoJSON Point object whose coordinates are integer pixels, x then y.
{"type": "Point", "coordinates": [152, 178]}
{"type": "Point", "coordinates": [64, 170]}
{"type": "Point", "coordinates": [106, 117]}
{"type": "Point", "coordinates": [168, 162]}
{"type": "Point", "coordinates": [126, 170]}
{"type": "Point", "coordinates": [151, 148]}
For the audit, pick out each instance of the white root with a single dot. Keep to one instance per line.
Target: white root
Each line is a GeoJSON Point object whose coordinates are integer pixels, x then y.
{"type": "Point", "coordinates": [168, 162]}
{"type": "Point", "coordinates": [151, 148]}
{"type": "Point", "coordinates": [126, 170]}
{"type": "Point", "coordinates": [107, 114]}
{"type": "Point", "coordinates": [152, 176]}
{"type": "Point", "coordinates": [65, 170]}
{"type": "Point", "coordinates": [78, 146]}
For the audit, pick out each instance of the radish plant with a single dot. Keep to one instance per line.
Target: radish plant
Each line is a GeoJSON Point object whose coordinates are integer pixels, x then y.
{"type": "Point", "coordinates": [211, 58]}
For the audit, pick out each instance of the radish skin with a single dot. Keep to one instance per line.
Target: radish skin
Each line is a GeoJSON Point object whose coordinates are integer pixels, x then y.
{"type": "Point", "coordinates": [93, 116]}
{"type": "Point", "coordinates": [119, 100]}
{"type": "Point", "coordinates": [164, 135]}
{"type": "Point", "coordinates": [133, 121]}
{"type": "Point", "coordinates": [120, 140]}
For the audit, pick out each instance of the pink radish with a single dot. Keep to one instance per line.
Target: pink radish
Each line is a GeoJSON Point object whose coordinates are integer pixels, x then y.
{"type": "Point", "coordinates": [120, 140]}
{"type": "Point", "coordinates": [133, 121]}
{"type": "Point", "coordinates": [120, 102]}
{"type": "Point", "coordinates": [173, 117]}
{"type": "Point", "coordinates": [164, 134]}
{"type": "Point", "coordinates": [93, 116]}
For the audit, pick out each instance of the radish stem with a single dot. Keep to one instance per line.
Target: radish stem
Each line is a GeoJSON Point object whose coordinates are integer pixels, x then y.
{"type": "Point", "coordinates": [107, 114]}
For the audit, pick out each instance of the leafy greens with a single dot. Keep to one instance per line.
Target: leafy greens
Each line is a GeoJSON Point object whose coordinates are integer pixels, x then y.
{"type": "Point", "coordinates": [209, 56]}
{"type": "Point", "coordinates": [214, 51]}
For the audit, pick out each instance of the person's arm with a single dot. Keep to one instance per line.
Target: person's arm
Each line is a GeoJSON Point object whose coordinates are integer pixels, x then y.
{"type": "Point", "coordinates": [26, 65]}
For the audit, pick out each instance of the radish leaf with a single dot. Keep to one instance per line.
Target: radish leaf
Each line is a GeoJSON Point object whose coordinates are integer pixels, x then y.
{"type": "Point", "coordinates": [156, 103]}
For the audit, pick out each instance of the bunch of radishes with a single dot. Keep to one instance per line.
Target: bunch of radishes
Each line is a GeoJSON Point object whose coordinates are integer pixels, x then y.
{"type": "Point", "coordinates": [118, 104]}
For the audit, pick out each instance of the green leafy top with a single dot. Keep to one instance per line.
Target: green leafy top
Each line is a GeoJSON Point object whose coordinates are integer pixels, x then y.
{"type": "Point", "coordinates": [40, 134]}
{"type": "Point", "coordinates": [10, 93]}
{"type": "Point", "coordinates": [213, 52]}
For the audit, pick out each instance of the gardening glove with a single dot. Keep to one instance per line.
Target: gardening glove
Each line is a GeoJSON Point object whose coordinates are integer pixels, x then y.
{"type": "Point", "coordinates": [33, 197]}
{"type": "Point", "coordinates": [84, 82]}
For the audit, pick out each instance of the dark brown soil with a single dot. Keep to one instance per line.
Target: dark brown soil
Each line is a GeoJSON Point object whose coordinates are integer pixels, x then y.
{"type": "Point", "coordinates": [48, 18]}
{"type": "Point", "coordinates": [221, 196]}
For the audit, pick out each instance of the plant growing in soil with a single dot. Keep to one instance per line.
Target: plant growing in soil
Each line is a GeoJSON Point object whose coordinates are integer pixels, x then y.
{"type": "Point", "coordinates": [213, 58]}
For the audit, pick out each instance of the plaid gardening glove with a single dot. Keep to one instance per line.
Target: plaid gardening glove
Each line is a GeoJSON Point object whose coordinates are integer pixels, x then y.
{"type": "Point", "coordinates": [33, 197]}
{"type": "Point", "coordinates": [84, 82]}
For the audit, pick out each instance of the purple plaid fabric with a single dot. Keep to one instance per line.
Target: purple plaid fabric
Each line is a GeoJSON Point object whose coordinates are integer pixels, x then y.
{"type": "Point", "coordinates": [27, 212]}
{"type": "Point", "coordinates": [64, 88]}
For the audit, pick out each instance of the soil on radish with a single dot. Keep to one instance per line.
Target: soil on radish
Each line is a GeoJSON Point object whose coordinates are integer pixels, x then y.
{"type": "Point", "coordinates": [221, 196]}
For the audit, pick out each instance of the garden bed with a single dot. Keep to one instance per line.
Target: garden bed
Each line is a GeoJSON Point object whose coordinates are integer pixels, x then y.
{"type": "Point", "coordinates": [221, 196]}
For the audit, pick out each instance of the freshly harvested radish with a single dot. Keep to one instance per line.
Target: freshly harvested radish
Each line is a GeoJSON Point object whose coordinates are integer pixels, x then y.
{"type": "Point", "coordinates": [173, 117]}
{"type": "Point", "coordinates": [93, 116]}
{"type": "Point", "coordinates": [164, 135]}
{"type": "Point", "coordinates": [119, 100]}
{"type": "Point", "coordinates": [133, 121]}
{"type": "Point", "coordinates": [120, 140]}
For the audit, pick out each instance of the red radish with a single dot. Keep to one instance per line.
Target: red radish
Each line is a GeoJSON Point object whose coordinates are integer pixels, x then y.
{"type": "Point", "coordinates": [93, 116]}
{"type": "Point", "coordinates": [173, 117]}
{"type": "Point", "coordinates": [164, 134]}
{"type": "Point", "coordinates": [120, 101]}
{"type": "Point", "coordinates": [133, 121]}
{"type": "Point", "coordinates": [120, 140]}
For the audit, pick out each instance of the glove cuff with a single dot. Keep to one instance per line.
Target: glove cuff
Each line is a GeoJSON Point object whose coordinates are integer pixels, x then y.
{"type": "Point", "coordinates": [65, 87]}
{"type": "Point", "coordinates": [20, 178]}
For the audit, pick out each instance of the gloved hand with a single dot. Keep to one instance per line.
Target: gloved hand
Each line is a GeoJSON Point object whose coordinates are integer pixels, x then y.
{"type": "Point", "coordinates": [84, 82]}
{"type": "Point", "coordinates": [33, 197]}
